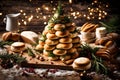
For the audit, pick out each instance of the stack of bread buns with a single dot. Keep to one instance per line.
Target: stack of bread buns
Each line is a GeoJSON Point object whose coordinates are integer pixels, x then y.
{"type": "Point", "coordinates": [88, 32]}
{"type": "Point", "coordinates": [59, 39]}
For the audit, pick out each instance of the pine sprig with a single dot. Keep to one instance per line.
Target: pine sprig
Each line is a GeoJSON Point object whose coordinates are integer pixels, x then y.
{"type": "Point", "coordinates": [3, 43]}
{"type": "Point", "coordinates": [12, 57]}
{"type": "Point", "coordinates": [97, 62]}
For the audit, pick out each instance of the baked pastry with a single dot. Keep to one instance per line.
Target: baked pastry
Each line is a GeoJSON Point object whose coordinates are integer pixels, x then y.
{"type": "Point", "coordinates": [65, 40]}
{"type": "Point", "coordinates": [41, 42]}
{"type": "Point", "coordinates": [73, 34]}
{"type": "Point", "coordinates": [81, 63]}
{"type": "Point", "coordinates": [49, 47]}
{"type": "Point", "coordinates": [76, 40]}
{"type": "Point", "coordinates": [51, 36]}
{"type": "Point", "coordinates": [89, 27]}
{"type": "Point", "coordinates": [15, 37]}
{"type": "Point", "coordinates": [75, 55]}
{"type": "Point", "coordinates": [102, 41]}
{"type": "Point", "coordinates": [62, 33]}
{"type": "Point", "coordinates": [59, 52]}
{"type": "Point", "coordinates": [64, 45]}
{"type": "Point", "coordinates": [51, 42]}
{"type": "Point", "coordinates": [17, 47]}
{"type": "Point", "coordinates": [113, 36]}
{"type": "Point", "coordinates": [59, 27]}
{"type": "Point", "coordinates": [6, 36]}
{"type": "Point", "coordinates": [65, 57]}
{"type": "Point", "coordinates": [71, 50]}
{"type": "Point", "coordinates": [104, 53]}
{"type": "Point", "coordinates": [39, 47]}
{"type": "Point", "coordinates": [29, 37]}
{"type": "Point", "coordinates": [71, 28]}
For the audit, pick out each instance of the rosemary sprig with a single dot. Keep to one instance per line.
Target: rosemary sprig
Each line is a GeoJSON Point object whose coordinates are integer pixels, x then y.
{"type": "Point", "coordinates": [12, 57]}
{"type": "Point", "coordinates": [2, 43]}
{"type": "Point", "coordinates": [30, 52]}
{"type": "Point", "coordinates": [97, 62]}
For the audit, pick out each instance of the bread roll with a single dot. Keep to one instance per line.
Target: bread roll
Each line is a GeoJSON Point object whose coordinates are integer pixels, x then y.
{"type": "Point", "coordinates": [75, 55]}
{"type": "Point", "coordinates": [102, 41]}
{"type": "Point", "coordinates": [62, 33]}
{"type": "Point", "coordinates": [47, 53]}
{"type": "Point", "coordinates": [39, 47]}
{"type": "Point", "coordinates": [76, 45]}
{"type": "Point", "coordinates": [51, 42]}
{"type": "Point", "coordinates": [49, 47]}
{"type": "Point", "coordinates": [109, 44]}
{"type": "Point", "coordinates": [53, 58]}
{"type": "Point", "coordinates": [51, 25]}
{"type": "Point", "coordinates": [15, 37]}
{"type": "Point", "coordinates": [59, 52]}
{"type": "Point", "coordinates": [71, 50]}
{"type": "Point", "coordinates": [51, 36]}
{"type": "Point", "coordinates": [41, 42]}
{"type": "Point", "coordinates": [65, 57]}
{"type": "Point", "coordinates": [50, 29]}
{"type": "Point", "coordinates": [73, 35]}
{"type": "Point", "coordinates": [59, 27]}
{"type": "Point", "coordinates": [64, 46]}
{"type": "Point", "coordinates": [65, 40]}
{"type": "Point", "coordinates": [71, 28]}
{"type": "Point", "coordinates": [29, 37]}
{"type": "Point", "coordinates": [17, 47]}
{"type": "Point", "coordinates": [114, 36]}
{"type": "Point", "coordinates": [6, 36]}
{"type": "Point", "coordinates": [68, 24]}
{"type": "Point", "coordinates": [76, 40]}
{"type": "Point", "coordinates": [81, 63]}
{"type": "Point", "coordinates": [104, 53]}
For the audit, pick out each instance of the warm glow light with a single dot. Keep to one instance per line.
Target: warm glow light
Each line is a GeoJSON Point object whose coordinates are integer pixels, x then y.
{"type": "Point", "coordinates": [25, 23]}
{"type": "Point", "coordinates": [70, 1]}
{"type": "Point", "coordinates": [30, 18]}
{"type": "Point", "coordinates": [0, 14]}
{"type": "Point", "coordinates": [21, 11]}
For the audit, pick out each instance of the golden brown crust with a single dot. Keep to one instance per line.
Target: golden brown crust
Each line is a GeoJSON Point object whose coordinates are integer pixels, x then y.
{"type": "Point", "coordinates": [62, 33]}
{"type": "Point", "coordinates": [6, 36]}
{"type": "Point", "coordinates": [82, 63]}
{"type": "Point", "coordinates": [17, 46]}
{"type": "Point", "coordinates": [109, 44]}
{"type": "Point", "coordinates": [49, 47]}
{"type": "Point", "coordinates": [72, 50]}
{"type": "Point", "coordinates": [64, 45]}
{"type": "Point", "coordinates": [51, 42]}
{"type": "Point", "coordinates": [51, 36]}
{"type": "Point", "coordinates": [83, 26]}
{"type": "Point", "coordinates": [76, 40]}
{"type": "Point", "coordinates": [59, 27]}
{"type": "Point", "coordinates": [65, 40]}
{"type": "Point", "coordinates": [15, 36]}
{"type": "Point", "coordinates": [59, 52]}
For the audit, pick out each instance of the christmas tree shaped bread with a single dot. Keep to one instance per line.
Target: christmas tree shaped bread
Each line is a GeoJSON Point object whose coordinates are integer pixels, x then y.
{"type": "Point", "coordinates": [59, 39]}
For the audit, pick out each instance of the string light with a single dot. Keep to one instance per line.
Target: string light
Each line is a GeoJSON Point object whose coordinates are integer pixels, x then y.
{"type": "Point", "coordinates": [96, 10]}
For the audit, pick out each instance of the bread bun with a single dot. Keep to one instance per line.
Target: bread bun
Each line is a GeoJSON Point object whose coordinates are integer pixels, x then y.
{"type": "Point", "coordinates": [104, 53]}
{"type": "Point", "coordinates": [59, 27]}
{"type": "Point", "coordinates": [65, 57]}
{"type": "Point", "coordinates": [15, 36]}
{"type": "Point", "coordinates": [51, 42]}
{"type": "Point", "coordinates": [59, 52]}
{"type": "Point", "coordinates": [73, 35]}
{"type": "Point", "coordinates": [39, 47]}
{"type": "Point", "coordinates": [62, 33]}
{"type": "Point", "coordinates": [41, 42]}
{"type": "Point", "coordinates": [64, 46]}
{"type": "Point", "coordinates": [65, 40]}
{"type": "Point", "coordinates": [49, 47]}
{"type": "Point", "coordinates": [46, 53]}
{"type": "Point", "coordinates": [102, 41]}
{"type": "Point", "coordinates": [51, 36]}
{"type": "Point", "coordinates": [49, 29]}
{"type": "Point", "coordinates": [81, 63]}
{"type": "Point", "coordinates": [71, 50]}
{"type": "Point", "coordinates": [29, 37]}
{"type": "Point", "coordinates": [71, 28]}
{"type": "Point", "coordinates": [6, 36]}
{"type": "Point", "coordinates": [76, 40]}
{"type": "Point", "coordinates": [109, 44]}
{"type": "Point", "coordinates": [17, 46]}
